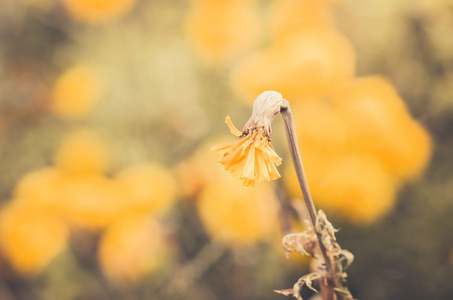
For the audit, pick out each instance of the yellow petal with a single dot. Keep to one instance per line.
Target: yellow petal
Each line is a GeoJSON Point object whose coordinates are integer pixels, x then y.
{"type": "Point", "coordinates": [236, 155]}
{"type": "Point", "coordinates": [248, 182]}
{"type": "Point", "coordinates": [261, 169]}
{"type": "Point", "coordinates": [249, 168]}
{"type": "Point", "coordinates": [233, 129]}
{"type": "Point", "coordinates": [229, 146]}
{"type": "Point", "coordinates": [273, 173]}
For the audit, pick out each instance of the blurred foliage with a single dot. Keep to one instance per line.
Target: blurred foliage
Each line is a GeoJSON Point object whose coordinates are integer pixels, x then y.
{"type": "Point", "coordinates": [108, 110]}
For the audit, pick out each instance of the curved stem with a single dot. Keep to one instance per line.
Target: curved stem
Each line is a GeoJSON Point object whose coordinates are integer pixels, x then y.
{"type": "Point", "coordinates": [297, 161]}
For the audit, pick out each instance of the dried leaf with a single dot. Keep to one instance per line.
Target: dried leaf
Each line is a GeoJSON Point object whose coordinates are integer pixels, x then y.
{"type": "Point", "coordinates": [344, 259]}
{"type": "Point", "coordinates": [304, 243]}
{"type": "Point", "coordinates": [287, 292]}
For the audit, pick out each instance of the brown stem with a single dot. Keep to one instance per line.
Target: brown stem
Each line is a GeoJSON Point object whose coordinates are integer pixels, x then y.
{"type": "Point", "coordinates": [326, 285]}
{"type": "Point", "coordinates": [327, 291]}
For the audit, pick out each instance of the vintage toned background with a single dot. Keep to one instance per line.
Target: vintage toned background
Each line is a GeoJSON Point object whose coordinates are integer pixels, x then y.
{"type": "Point", "coordinates": [108, 108]}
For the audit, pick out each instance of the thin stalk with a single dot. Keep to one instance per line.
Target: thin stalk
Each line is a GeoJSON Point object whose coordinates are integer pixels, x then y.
{"type": "Point", "coordinates": [297, 161]}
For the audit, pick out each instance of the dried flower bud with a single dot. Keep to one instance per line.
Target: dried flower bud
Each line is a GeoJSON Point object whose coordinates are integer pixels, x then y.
{"type": "Point", "coordinates": [265, 108]}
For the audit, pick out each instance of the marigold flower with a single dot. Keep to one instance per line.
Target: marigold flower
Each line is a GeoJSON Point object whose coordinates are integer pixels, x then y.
{"type": "Point", "coordinates": [82, 152]}
{"type": "Point", "coordinates": [309, 62]}
{"type": "Point", "coordinates": [30, 238]}
{"type": "Point", "coordinates": [236, 214]}
{"type": "Point", "coordinates": [95, 11]}
{"type": "Point", "coordinates": [90, 201]}
{"type": "Point", "coordinates": [148, 188]}
{"type": "Point", "coordinates": [38, 188]}
{"type": "Point", "coordinates": [132, 247]}
{"type": "Point", "coordinates": [364, 196]}
{"type": "Point", "coordinates": [252, 158]}
{"type": "Point", "coordinates": [320, 126]}
{"type": "Point", "coordinates": [379, 123]}
{"type": "Point", "coordinates": [220, 30]}
{"type": "Point", "coordinates": [285, 17]}
{"type": "Point", "coordinates": [196, 171]}
{"type": "Point", "coordinates": [76, 92]}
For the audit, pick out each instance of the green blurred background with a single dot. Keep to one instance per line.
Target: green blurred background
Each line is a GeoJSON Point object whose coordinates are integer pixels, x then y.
{"type": "Point", "coordinates": [108, 109]}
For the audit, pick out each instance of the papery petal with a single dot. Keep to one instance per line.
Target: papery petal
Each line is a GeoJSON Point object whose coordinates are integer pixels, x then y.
{"type": "Point", "coordinates": [273, 173]}
{"type": "Point", "coordinates": [249, 168]}
{"type": "Point", "coordinates": [233, 129]}
{"type": "Point", "coordinates": [261, 169]}
{"type": "Point", "coordinates": [236, 155]}
{"type": "Point", "coordinates": [260, 141]}
{"type": "Point", "coordinates": [227, 147]}
{"type": "Point", "coordinates": [247, 182]}
{"type": "Point", "coordinates": [237, 169]}
{"type": "Point", "coordinates": [272, 156]}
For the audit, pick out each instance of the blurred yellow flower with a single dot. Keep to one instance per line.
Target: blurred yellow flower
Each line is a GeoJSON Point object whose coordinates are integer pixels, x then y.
{"type": "Point", "coordinates": [414, 152]}
{"type": "Point", "coordinates": [30, 238]}
{"type": "Point", "coordinates": [366, 132]}
{"type": "Point", "coordinates": [309, 62]}
{"type": "Point", "coordinates": [220, 29]}
{"type": "Point", "coordinates": [196, 171]}
{"type": "Point", "coordinates": [148, 188]}
{"type": "Point", "coordinates": [76, 92]}
{"type": "Point", "coordinates": [95, 11]}
{"type": "Point", "coordinates": [90, 201]}
{"type": "Point", "coordinates": [354, 186]}
{"type": "Point", "coordinates": [237, 214]}
{"type": "Point", "coordinates": [378, 122]}
{"type": "Point", "coordinates": [82, 152]}
{"type": "Point", "coordinates": [319, 126]}
{"type": "Point", "coordinates": [250, 159]}
{"type": "Point", "coordinates": [39, 188]}
{"type": "Point", "coordinates": [192, 173]}
{"type": "Point", "coordinates": [212, 3]}
{"type": "Point", "coordinates": [286, 17]}
{"type": "Point", "coordinates": [132, 247]}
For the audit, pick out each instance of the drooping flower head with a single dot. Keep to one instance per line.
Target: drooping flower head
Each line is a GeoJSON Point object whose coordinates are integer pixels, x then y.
{"type": "Point", "coordinates": [252, 158]}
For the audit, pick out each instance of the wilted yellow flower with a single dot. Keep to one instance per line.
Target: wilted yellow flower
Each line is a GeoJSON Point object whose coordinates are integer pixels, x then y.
{"type": "Point", "coordinates": [94, 11]}
{"type": "Point", "coordinates": [76, 92]}
{"type": "Point", "coordinates": [29, 237]}
{"type": "Point", "coordinates": [148, 188]}
{"type": "Point", "coordinates": [237, 214]}
{"type": "Point", "coordinates": [132, 247]}
{"type": "Point", "coordinates": [82, 152]}
{"type": "Point", "coordinates": [250, 159]}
